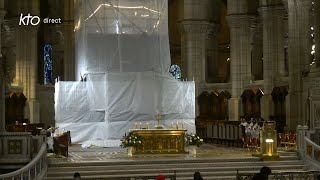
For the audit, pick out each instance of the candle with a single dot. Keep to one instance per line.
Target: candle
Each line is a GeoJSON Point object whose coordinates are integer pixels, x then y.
{"type": "Point", "coordinates": [182, 125]}
{"type": "Point", "coordinates": [135, 125]}
{"type": "Point", "coordinates": [171, 126]}
{"type": "Point", "coordinates": [147, 125]}
{"type": "Point", "coordinates": [177, 125]}
{"type": "Point", "coordinates": [140, 126]}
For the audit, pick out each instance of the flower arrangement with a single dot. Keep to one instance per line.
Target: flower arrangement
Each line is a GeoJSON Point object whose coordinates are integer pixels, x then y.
{"type": "Point", "coordinates": [130, 140]}
{"type": "Point", "coordinates": [193, 140]}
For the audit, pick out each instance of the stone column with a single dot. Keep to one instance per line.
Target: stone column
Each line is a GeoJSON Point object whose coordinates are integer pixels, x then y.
{"type": "Point", "coordinates": [69, 46]}
{"type": "Point", "coordinates": [304, 20]}
{"type": "Point", "coordinates": [193, 51]}
{"type": "Point", "coordinates": [240, 60]}
{"type": "Point", "coordinates": [2, 76]}
{"type": "Point", "coordinates": [296, 66]}
{"type": "Point", "coordinates": [27, 62]}
{"type": "Point", "coordinates": [212, 62]}
{"type": "Point", "coordinates": [256, 49]}
{"type": "Point", "coordinates": [273, 52]}
{"type": "Point", "coordinates": [317, 32]}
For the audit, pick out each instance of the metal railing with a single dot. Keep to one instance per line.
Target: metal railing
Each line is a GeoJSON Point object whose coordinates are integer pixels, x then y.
{"type": "Point", "coordinates": [35, 169]}
{"type": "Point", "coordinates": [296, 175]}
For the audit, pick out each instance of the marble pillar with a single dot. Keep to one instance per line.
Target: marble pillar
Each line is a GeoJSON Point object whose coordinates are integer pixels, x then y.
{"type": "Point", "coordinates": [240, 60]}
{"type": "Point", "coordinates": [273, 54]}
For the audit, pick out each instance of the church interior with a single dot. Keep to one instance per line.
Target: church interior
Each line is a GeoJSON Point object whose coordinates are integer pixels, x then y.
{"type": "Point", "coordinates": [135, 89]}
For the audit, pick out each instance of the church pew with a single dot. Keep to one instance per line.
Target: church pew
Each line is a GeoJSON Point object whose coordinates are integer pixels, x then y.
{"type": "Point", "coordinates": [224, 132]}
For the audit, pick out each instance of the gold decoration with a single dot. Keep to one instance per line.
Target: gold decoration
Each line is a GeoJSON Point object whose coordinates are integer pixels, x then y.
{"type": "Point", "coordinates": [268, 142]}
{"type": "Point", "coordinates": [157, 141]}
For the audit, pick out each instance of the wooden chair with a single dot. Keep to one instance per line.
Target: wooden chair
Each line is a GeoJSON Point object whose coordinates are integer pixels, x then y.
{"type": "Point", "coordinates": [61, 144]}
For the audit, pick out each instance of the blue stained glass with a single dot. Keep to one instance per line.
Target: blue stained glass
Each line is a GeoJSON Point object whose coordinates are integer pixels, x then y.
{"type": "Point", "coordinates": [47, 67]}
{"type": "Point", "coordinates": [175, 71]}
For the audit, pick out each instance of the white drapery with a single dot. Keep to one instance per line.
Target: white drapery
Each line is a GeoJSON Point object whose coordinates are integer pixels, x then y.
{"type": "Point", "coordinates": [122, 50]}
{"type": "Point", "coordinates": [106, 106]}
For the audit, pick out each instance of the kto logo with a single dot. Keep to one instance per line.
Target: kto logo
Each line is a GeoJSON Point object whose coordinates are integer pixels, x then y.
{"type": "Point", "coordinates": [25, 20]}
{"type": "Point", "coordinates": [35, 20]}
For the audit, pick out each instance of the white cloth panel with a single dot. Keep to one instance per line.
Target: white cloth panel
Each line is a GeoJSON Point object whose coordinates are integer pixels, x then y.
{"type": "Point", "coordinates": [121, 36]}
{"type": "Point", "coordinates": [129, 98]}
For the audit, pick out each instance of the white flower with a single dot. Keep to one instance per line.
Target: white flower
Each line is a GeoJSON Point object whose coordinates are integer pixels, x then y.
{"type": "Point", "coordinates": [129, 141]}
{"type": "Point", "coordinates": [201, 140]}
{"type": "Point", "coordinates": [129, 137]}
{"type": "Point", "coordinates": [136, 138]}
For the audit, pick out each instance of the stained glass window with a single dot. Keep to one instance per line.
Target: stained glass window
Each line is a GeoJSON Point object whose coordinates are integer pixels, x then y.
{"type": "Point", "coordinates": [175, 71]}
{"type": "Point", "coordinates": [47, 68]}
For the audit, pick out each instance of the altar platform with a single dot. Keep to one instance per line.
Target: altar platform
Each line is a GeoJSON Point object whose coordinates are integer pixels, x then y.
{"type": "Point", "coordinates": [92, 154]}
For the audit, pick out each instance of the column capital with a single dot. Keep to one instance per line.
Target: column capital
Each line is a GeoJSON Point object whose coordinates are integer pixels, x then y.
{"type": "Point", "coordinates": [238, 20]}
{"type": "Point", "coordinates": [305, 4]}
{"type": "Point", "coordinates": [56, 33]}
{"type": "Point", "coordinates": [9, 25]}
{"type": "Point", "coordinates": [285, 3]}
{"type": "Point", "coordinates": [2, 13]}
{"type": "Point", "coordinates": [199, 27]}
{"type": "Point", "coordinates": [272, 11]}
{"type": "Point", "coordinates": [32, 29]}
{"type": "Point", "coordinates": [253, 22]}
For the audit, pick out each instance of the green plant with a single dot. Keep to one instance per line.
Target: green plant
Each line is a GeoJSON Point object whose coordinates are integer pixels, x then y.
{"type": "Point", "coordinates": [130, 140]}
{"type": "Point", "coordinates": [193, 140]}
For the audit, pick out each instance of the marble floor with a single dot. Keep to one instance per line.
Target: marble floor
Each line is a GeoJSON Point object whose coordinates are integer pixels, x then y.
{"type": "Point", "coordinates": [114, 154]}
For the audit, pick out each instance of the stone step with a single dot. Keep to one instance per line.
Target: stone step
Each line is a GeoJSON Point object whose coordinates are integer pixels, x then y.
{"type": "Point", "coordinates": [134, 161]}
{"type": "Point", "coordinates": [178, 170]}
{"type": "Point", "coordinates": [153, 160]}
{"type": "Point", "coordinates": [186, 173]}
{"type": "Point", "coordinates": [178, 165]}
{"type": "Point", "coordinates": [180, 175]}
{"type": "Point", "coordinates": [212, 168]}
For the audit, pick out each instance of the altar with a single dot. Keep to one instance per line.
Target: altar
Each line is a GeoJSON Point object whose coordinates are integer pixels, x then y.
{"type": "Point", "coordinates": [157, 141]}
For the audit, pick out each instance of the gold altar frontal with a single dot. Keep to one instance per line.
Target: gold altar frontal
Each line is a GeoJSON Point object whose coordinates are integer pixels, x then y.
{"type": "Point", "coordinates": [157, 141]}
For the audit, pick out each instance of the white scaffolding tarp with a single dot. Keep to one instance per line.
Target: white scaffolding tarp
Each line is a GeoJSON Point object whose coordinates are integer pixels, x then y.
{"type": "Point", "coordinates": [122, 47]}
{"type": "Point", "coordinates": [106, 106]}
{"type": "Point", "coordinates": [121, 36]}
